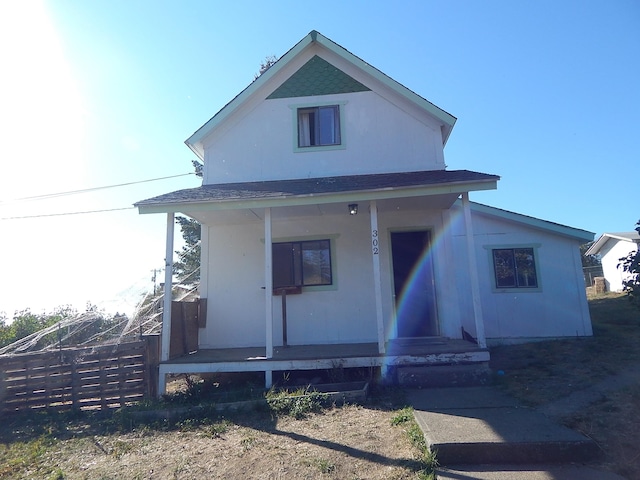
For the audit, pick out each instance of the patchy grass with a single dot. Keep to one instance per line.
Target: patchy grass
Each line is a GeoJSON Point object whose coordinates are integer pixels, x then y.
{"type": "Point", "coordinates": [613, 423]}
{"type": "Point", "coordinates": [427, 458]}
{"type": "Point", "coordinates": [352, 442]}
{"type": "Point", "coordinates": [29, 454]}
{"type": "Point", "coordinates": [539, 373]}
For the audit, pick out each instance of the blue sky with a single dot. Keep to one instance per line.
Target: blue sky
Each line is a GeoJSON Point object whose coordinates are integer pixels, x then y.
{"type": "Point", "coordinates": [105, 92]}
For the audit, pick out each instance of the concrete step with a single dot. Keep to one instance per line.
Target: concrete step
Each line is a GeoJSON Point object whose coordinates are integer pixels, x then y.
{"type": "Point", "coordinates": [480, 425]}
{"type": "Point", "coordinates": [525, 472]}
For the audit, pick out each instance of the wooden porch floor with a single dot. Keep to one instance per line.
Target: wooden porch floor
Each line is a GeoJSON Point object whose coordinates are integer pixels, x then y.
{"type": "Point", "coordinates": [428, 347]}
{"type": "Point", "coordinates": [398, 353]}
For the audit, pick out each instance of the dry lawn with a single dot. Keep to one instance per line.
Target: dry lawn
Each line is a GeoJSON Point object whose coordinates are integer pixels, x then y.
{"type": "Point", "coordinates": [539, 373]}
{"type": "Point", "coordinates": [350, 442]}
{"type": "Point", "coordinates": [614, 424]}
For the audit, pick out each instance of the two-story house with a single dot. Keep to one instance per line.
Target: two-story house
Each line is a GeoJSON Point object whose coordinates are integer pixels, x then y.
{"type": "Point", "coordinates": [333, 233]}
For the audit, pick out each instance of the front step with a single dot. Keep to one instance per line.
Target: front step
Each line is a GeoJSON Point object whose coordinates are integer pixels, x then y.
{"type": "Point", "coordinates": [525, 472]}
{"type": "Point", "coordinates": [483, 426]}
{"type": "Point", "coordinates": [432, 376]}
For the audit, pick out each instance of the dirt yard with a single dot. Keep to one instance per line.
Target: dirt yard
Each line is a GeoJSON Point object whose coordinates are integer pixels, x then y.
{"type": "Point", "coordinates": [350, 442]}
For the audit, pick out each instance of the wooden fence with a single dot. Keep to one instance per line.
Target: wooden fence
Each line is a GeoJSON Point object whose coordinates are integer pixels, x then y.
{"type": "Point", "coordinates": [90, 378]}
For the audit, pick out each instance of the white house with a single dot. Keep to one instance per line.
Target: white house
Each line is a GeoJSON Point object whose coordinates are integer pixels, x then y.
{"type": "Point", "coordinates": [611, 247]}
{"type": "Point", "coordinates": [333, 233]}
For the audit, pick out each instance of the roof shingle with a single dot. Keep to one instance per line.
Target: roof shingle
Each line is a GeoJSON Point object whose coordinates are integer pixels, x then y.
{"type": "Point", "coordinates": [315, 186]}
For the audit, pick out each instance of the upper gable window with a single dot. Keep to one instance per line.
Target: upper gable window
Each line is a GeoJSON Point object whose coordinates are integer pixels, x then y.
{"type": "Point", "coordinates": [319, 126]}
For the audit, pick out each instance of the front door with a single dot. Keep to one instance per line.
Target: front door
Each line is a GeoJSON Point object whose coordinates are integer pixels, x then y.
{"type": "Point", "coordinates": [413, 284]}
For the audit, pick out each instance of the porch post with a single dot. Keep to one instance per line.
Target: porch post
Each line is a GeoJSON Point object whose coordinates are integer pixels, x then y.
{"type": "Point", "coordinates": [268, 282]}
{"type": "Point", "coordinates": [377, 285]}
{"type": "Point", "coordinates": [473, 273]}
{"type": "Point", "coordinates": [168, 277]}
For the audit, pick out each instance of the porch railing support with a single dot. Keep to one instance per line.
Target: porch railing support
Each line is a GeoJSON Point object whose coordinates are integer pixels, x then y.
{"type": "Point", "coordinates": [268, 283]}
{"type": "Point", "coordinates": [473, 273]}
{"type": "Point", "coordinates": [377, 283]}
{"type": "Point", "coordinates": [168, 277]}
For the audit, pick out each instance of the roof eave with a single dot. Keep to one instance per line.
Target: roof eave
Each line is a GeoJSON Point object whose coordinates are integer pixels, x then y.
{"type": "Point", "coordinates": [194, 142]}
{"type": "Point", "coordinates": [448, 120]}
{"type": "Point", "coordinates": [564, 230]}
{"type": "Point", "coordinates": [312, 199]}
{"type": "Point", "coordinates": [601, 242]}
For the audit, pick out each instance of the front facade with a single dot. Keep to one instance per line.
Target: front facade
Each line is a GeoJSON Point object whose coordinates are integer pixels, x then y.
{"type": "Point", "coordinates": [329, 219]}
{"type": "Point", "coordinates": [612, 247]}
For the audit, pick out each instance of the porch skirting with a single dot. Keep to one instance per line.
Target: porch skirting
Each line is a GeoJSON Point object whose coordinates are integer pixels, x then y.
{"type": "Point", "coordinates": [401, 352]}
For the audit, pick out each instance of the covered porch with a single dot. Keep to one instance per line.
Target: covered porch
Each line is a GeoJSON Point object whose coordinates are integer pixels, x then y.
{"type": "Point", "coordinates": [398, 353]}
{"type": "Point", "coordinates": [357, 313]}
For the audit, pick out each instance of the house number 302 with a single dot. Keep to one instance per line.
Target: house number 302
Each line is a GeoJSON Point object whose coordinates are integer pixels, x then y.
{"type": "Point", "coordinates": [374, 242]}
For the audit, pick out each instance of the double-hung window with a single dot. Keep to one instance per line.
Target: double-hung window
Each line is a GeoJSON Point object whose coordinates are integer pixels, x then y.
{"type": "Point", "coordinates": [515, 268]}
{"type": "Point", "coordinates": [319, 126]}
{"type": "Point", "coordinates": [302, 263]}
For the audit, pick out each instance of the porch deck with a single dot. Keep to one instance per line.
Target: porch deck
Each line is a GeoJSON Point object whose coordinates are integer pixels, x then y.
{"type": "Point", "coordinates": [401, 352]}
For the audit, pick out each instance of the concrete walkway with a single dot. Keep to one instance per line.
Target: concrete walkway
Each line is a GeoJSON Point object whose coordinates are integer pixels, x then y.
{"type": "Point", "coordinates": [473, 426]}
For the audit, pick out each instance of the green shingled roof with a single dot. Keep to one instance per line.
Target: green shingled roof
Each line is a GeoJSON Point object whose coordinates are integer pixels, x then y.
{"type": "Point", "coordinates": [317, 77]}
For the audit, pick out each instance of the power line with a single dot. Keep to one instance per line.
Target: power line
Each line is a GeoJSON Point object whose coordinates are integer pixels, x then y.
{"type": "Point", "coordinates": [86, 190]}
{"type": "Point", "coordinates": [67, 213]}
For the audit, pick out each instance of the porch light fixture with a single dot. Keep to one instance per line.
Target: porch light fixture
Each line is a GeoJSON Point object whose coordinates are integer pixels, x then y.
{"type": "Point", "coordinates": [353, 209]}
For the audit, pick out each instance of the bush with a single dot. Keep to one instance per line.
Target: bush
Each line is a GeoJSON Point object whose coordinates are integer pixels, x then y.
{"type": "Point", "coordinates": [631, 265]}
{"type": "Point", "coordinates": [297, 404]}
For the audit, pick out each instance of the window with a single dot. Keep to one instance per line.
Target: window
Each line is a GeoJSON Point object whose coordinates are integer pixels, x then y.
{"type": "Point", "coordinates": [319, 126]}
{"type": "Point", "coordinates": [306, 263]}
{"type": "Point", "coordinates": [515, 268]}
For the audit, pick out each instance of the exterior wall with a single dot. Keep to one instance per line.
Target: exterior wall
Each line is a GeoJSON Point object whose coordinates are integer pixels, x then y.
{"type": "Point", "coordinates": [557, 308]}
{"type": "Point", "coordinates": [611, 254]}
{"type": "Point", "coordinates": [258, 141]}
{"type": "Point", "coordinates": [342, 313]}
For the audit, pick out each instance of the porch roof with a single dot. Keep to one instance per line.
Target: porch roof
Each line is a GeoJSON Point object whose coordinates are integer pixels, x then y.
{"type": "Point", "coordinates": [319, 190]}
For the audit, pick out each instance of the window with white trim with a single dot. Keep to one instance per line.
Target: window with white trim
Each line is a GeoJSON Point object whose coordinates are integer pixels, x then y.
{"type": "Point", "coordinates": [515, 268]}
{"type": "Point", "coordinates": [302, 263]}
{"type": "Point", "coordinates": [319, 126]}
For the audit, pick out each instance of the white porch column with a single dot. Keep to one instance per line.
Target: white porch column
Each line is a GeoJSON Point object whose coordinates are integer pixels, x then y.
{"type": "Point", "coordinates": [377, 283]}
{"type": "Point", "coordinates": [473, 272]}
{"type": "Point", "coordinates": [268, 282]}
{"type": "Point", "coordinates": [168, 277]}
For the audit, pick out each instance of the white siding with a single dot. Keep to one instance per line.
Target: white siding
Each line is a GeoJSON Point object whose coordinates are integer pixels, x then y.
{"type": "Point", "coordinates": [342, 314]}
{"type": "Point", "coordinates": [260, 146]}
{"type": "Point", "coordinates": [257, 142]}
{"type": "Point", "coordinates": [611, 254]}
{"type": "Point", "coordinates": [557, 308]}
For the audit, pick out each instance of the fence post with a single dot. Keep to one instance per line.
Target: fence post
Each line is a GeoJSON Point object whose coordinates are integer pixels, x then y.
{"type": "Point", "coordinates": [151, 360]}
{"type": "Point", "coordinates": [75, 381]}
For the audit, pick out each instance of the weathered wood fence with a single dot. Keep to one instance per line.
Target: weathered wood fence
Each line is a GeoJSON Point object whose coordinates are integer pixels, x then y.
{"type": "Point", "coordinates": [91, 378]}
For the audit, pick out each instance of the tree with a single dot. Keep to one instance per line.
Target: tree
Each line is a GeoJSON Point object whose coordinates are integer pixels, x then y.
{"type": "Point", "coordinates": [631, 265]}
{"type": "Point", "coordinates": [589, 260]}
{"type": "Point", "coordinates": [25, 323]}
{"type": "Point", "coordinates": [265, 65]}
{"type": "Point", "coordinates": [198, 166]}
{"type": "Point", "coordinates": [187, 268]}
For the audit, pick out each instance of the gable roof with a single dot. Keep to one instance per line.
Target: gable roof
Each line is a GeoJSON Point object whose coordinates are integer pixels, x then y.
{"type": "Point", "coordinates": [557, 228]}
{"type": "Point", "coordinates": [632, 237]}
{"type": "Point", "coordinates": [447, 121]}
{"type": "Point", "coordinates": [318, 190]}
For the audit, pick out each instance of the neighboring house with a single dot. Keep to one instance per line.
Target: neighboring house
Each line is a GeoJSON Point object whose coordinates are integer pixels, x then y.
{"type": "Point", "coordinates": [611, 247]}
{"type": "Point", "coordinates": [333, 234]}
